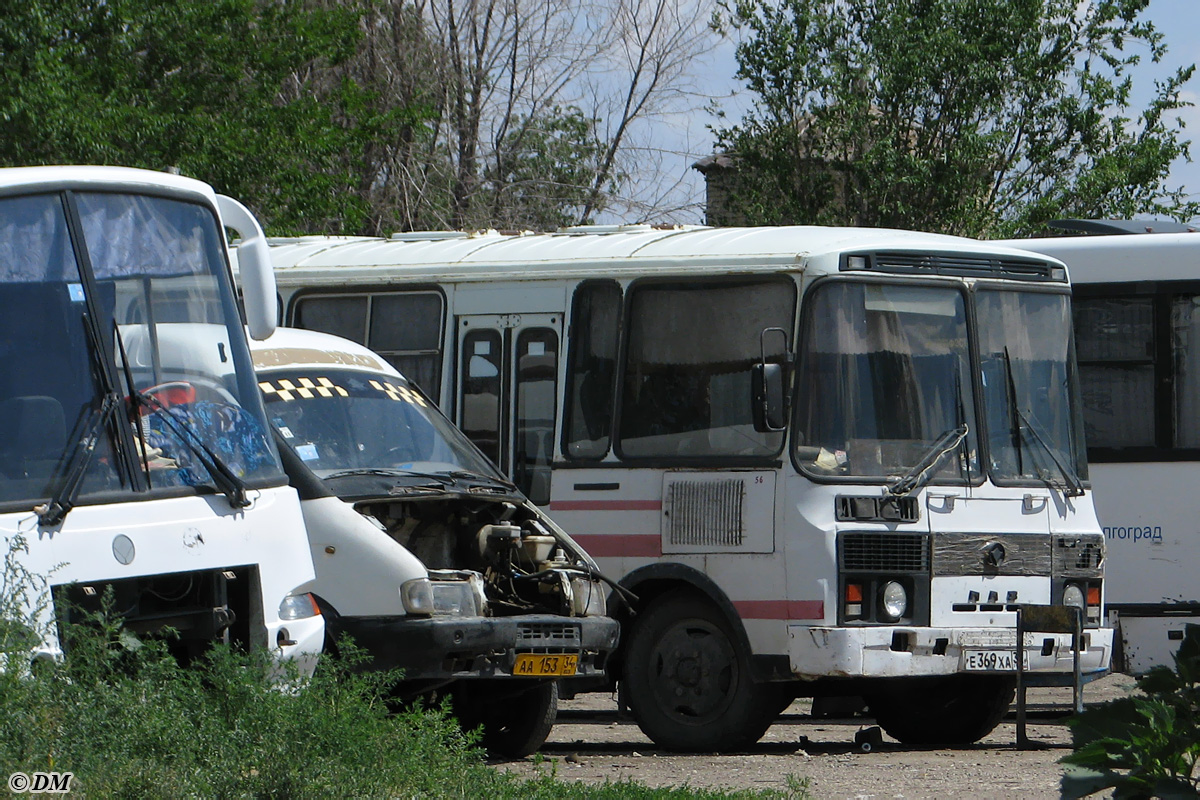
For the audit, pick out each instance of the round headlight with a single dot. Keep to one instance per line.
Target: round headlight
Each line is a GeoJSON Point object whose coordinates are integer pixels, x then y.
{"type": "Point", "coordinates": [895, 600]}
{"type": "Point", "coordinates": [1073, 596]}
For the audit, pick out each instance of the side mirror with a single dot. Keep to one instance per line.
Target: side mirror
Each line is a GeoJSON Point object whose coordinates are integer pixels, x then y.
{"type": "Point", "coordinates": [767, 382]}
{"type": "Point", "coordinates": [254, 268]}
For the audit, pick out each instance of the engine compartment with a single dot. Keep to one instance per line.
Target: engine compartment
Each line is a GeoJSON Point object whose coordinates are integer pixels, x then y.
{"type": "Point", "coordinates": [524, 567]}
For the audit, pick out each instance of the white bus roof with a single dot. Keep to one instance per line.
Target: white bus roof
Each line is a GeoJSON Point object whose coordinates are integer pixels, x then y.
{"type": "Point", "coordinates": [1121, 258]}
{"type": "Point", "coordinates": [610, 250]}
{"type": "Point", "coordinates": [130, 177]}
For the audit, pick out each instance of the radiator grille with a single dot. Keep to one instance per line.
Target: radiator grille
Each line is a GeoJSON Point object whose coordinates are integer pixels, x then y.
{"type": "Point", "coordinates": [706, 512]}
{"type": "Point", "coordinates": [535, 635]}
{"type": "Point", "coordinates": [884, 552]}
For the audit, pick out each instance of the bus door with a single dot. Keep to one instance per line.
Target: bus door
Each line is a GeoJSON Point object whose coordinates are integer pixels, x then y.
{"type": "Point", "coordinates": [508, 393]}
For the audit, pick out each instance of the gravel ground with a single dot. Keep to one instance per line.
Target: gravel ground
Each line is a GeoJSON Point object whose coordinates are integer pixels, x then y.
{"type": "Point", "coordinates": [591, 744]}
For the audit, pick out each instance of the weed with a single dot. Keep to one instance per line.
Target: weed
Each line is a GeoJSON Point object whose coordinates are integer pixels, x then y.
{"type": "Point", "coordinates": [1146, 745]}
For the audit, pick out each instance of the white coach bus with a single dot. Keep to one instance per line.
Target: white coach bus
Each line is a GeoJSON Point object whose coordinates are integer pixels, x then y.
{"type": "Point", "coordinates": [1137, 332]}
{"type": "Point", "coordinates": [128, 478]}
{"type": "Point", "coordinates": [826, 461]}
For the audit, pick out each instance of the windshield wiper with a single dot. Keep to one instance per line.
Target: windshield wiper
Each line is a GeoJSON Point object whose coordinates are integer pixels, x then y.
{"type": "Point", "coordinates": [923, 470]}
{"type": "Point", "coordinates": [63, 500]}
{"type": "Point", "coordinates": [1072, 485]}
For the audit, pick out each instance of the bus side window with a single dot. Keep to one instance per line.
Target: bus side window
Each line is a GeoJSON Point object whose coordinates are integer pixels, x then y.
{"type": "Point", "coordinates": [344, 316]}
{"type": "Point", "coordinates": [1114, 342]}
{"type": "Point", "coordinates": [591, 369]}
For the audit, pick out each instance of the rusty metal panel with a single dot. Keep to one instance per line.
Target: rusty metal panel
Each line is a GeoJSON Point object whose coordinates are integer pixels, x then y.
{"type": "Point", "coordinates": [991, 554]}
{"type": "Point", "coordinates": [1079, 555]}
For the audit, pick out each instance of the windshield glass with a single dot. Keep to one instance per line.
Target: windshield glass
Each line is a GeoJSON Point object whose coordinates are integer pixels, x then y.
{"type": "Point", "coordinates": [1030, 386]}
{"type": "Point", "coordinates": [340, 420]}
{"type": "Point", "coordinates": [159, 279]}
{"type": "Point", "coordinates": [883, 378]}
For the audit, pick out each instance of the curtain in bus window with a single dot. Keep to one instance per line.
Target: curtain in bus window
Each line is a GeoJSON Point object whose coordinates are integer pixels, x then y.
{"type": "Point", "coordinates": [686, 387]}
{"type": "Point", "coordinates": [1185, 326]}
{"type": "Point", "coordinates": [1114, 340]}
{"type": "Point", "coordinates": [47, 391]}
{"type": "Point", "coordinates": [884, 372]}
{"type": "Point", "coordinates": [1029, 384]}
{"type": "Point", "coordinates": [591, 369]}
{"type": "Point", "coordinates": [406, 329]}
{"type": "Point", "coordinates": [159, 265]}
{"type": "Point", "coordinates": [344, 316]}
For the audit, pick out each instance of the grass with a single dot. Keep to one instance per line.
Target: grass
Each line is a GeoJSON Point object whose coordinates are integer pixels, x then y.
{"type": "Point", "coordinates": [129, 721]}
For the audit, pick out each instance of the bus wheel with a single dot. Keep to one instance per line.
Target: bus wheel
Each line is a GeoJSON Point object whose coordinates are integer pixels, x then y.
{"type": "Point", "coordinates": [689, 683]}
{"type": "Point", "coordinates": [946, 711]}
{"type": "Point", "coordinates": [513, 726]}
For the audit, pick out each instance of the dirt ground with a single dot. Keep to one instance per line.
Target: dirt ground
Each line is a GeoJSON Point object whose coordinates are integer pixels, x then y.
{"type": "Point", "coordinates": [591, 744]}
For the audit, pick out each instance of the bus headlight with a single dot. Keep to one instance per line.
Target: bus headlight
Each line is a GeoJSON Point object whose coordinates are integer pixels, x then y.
{"type": "Point", "coordinates": [417, 596]}
{"type": "Point", "coordinates": [1073, 596]}
{"type": "Point", "coordinates": [894, 600]}
{"type": "Point", "coordinates": [587, 597]}
{"type": "Point", "coordinates": [298, 606]}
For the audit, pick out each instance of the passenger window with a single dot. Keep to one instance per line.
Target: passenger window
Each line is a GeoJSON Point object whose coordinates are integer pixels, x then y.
{"type": "Point", "coordinates": [591, 369]}
{"type": "Point", "coordinates": [1115, 346]}
{"type": "Point", "coordinates": [406, 329]}
{"type": "Point", "coordinates": [686, 385]}
{"type": "Point", "coordinates": [536, 396]}
{"type": "Point", "coordinates": [344, 316]}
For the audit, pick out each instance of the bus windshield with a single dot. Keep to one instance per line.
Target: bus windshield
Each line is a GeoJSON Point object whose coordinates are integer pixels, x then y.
{"type": "Point", "coordinates": [1029, 386]}
{"type": "Point", "coordinates": [344, 420]}
{"type": "Point", "coordinates": [108, 309]}
{"type": "Point", "coordinates": [884, 377]}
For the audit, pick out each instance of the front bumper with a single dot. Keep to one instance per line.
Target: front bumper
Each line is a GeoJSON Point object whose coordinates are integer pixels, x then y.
{"type": "Point", "coordinates": [892, 652]}
{"type": "Point", "coordinates": [453, 648]}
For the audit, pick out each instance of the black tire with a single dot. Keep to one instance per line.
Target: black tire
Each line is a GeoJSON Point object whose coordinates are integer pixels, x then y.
{"type": "Point", "coordinates": [953, 710]}
{"type": "Point", "coordinates": [688, 679]}
{"type": "Point", "coordinates": [513, 726]}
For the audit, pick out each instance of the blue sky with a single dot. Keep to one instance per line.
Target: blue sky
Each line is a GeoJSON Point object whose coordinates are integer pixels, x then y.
{"type": "Point", "coordinates": [1178, 20]}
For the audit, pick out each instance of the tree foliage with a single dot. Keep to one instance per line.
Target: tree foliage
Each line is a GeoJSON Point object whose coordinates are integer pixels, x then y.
{"type": "Point", "coordinates": [349, 116]}
{"type": "Point", "coordinates": [975, 117]}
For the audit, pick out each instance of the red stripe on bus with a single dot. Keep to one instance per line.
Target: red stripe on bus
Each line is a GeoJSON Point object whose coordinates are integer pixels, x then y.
{"type": "Point", "coordinates": [780, 609]}
{"type": "Point", "coordinates": [610, 545]}
{"type": "Point", "coordinates": [606, 505]}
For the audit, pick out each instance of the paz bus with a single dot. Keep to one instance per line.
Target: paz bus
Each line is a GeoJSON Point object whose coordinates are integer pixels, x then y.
{"type": "Point", "coordinates": [129, 481]}
{"type": "Point", "coordinates": [1137, 330]}
{"type": "Point", "coordinates": [825, 462]}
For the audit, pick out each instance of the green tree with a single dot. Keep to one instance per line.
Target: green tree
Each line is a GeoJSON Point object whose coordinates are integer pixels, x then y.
{"type": "Point", "coordinates": [235, 92]}
{"type": "Point", "coordinates": [974, 117]}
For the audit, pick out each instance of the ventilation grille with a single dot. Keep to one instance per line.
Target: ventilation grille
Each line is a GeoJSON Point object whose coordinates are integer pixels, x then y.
{"type": "Point", "coordinates": [966, 265]}
{"type": "Point", "coordinates": [706, 512]}
{"type": "Point", "coordinates": [884, 552]}
{"type": "Point", "coordinates": [547, 635]}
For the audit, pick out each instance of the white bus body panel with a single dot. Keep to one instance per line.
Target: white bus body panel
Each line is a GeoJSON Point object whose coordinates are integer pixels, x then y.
{"type": "Point", "coordinates": [184, 534]}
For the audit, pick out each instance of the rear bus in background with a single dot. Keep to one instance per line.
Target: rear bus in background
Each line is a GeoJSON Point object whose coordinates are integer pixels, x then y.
{"type": "Point", "coordinates": [126, 473]}
{"type": "Point", "coordinates": [1137, 331]}
{"type": "Point", "coordinates": [826, 461]}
